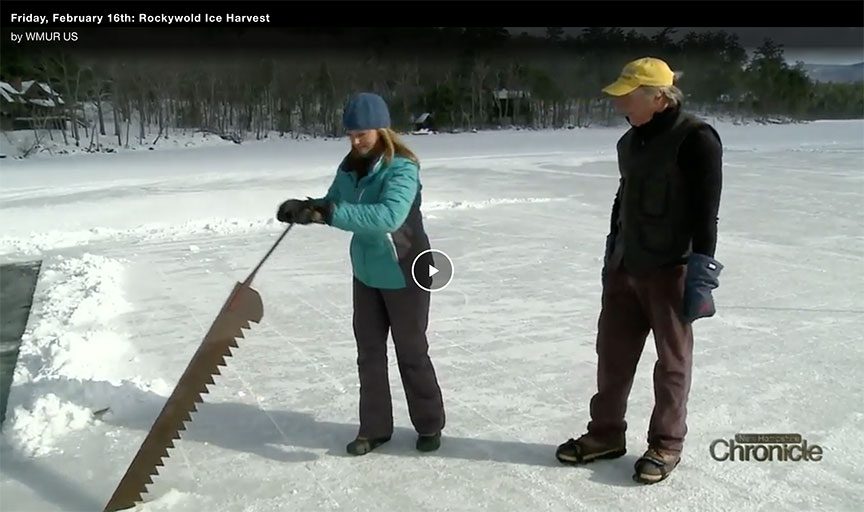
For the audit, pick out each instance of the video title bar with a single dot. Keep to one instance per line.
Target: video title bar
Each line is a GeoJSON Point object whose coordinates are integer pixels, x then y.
{"type": "Point", "coordinates": [148, 19]}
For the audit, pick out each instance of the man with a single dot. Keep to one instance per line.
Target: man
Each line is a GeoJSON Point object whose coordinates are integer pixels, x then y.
{"type": "Point", "coordinates": [659, 267]}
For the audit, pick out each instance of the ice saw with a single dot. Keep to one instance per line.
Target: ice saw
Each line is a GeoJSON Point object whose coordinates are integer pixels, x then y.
{"type": "Point", "coordinates": [242, 307]}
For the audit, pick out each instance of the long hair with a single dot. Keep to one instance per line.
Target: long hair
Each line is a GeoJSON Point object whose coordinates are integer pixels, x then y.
{"type": "Point", "coordinates": [392, 145]}
{"type": "Point", "coordinates": [389, 145]}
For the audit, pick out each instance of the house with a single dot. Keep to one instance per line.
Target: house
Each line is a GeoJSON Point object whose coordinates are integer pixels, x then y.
{"type": "Point", "coordinates": [12, 106]}
{"type": "Point", "coordinates": [8, 94]}
{"type": "Point", "coordinates": [511, 106]}
{"type": "Point", "coordinates": [424, 123]}
{"type": "Point", "coordinates": [40, 94]}
{"type": "Point", "coordinates": [26, 105]}
{"type": "Point", "coordinates": [11, 99]}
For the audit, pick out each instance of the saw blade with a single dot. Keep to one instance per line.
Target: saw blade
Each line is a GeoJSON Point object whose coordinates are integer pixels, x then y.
{"type": "Point", "coordinates": [242, 307]}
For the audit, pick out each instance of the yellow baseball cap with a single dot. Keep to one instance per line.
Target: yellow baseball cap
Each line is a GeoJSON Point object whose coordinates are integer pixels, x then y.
{"type": "Point", "coordinates": [647, 71]}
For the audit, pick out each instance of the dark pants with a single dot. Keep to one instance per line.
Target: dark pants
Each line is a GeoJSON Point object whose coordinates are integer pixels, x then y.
{"type": "Point", "coordinates": [631, 307]}
{"type": "Point", "coordinates": [404, 313]}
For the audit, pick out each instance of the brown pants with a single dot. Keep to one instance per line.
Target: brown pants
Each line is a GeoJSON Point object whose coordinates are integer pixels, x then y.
{"type": "Point", "coordinates": [631, 307]}
{"type": "Point", "coordinates": [405, 314]}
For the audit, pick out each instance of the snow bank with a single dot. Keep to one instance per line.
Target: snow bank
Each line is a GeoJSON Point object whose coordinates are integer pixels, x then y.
{"type": "Point", "coordinates": [26, 143]}
{"type": "Point", "coordinates": [80, 299]}
{"type": "Point", "coordinates": [36, 243]}
{"type": "Point", "coordinates": [20, 144]}
{"type": "Point", "coordinates": [489, 203]}
{"type": "Point", "coordinates": [36, 431]}
{"type": "Point", "coordinates": [73, 354]}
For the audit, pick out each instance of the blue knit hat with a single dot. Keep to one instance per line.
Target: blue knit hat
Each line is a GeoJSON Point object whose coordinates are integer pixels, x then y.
{"type": "Point", "coordinates": [366, 111]}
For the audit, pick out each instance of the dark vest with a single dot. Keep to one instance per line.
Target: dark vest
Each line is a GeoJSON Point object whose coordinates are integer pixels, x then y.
{"type": "Point", "coordinates": [652, 221]}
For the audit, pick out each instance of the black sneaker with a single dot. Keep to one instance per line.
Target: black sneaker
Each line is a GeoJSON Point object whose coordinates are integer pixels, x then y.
{"type": "Point", "coordinates": [362, 446]}
{"type": "Point", "coordinates": [589, 448]}
{"type": "Point", "coordinates": [429, 443]}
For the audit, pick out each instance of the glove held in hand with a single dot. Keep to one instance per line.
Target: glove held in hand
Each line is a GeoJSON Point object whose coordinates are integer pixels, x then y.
{"type": "Point", "coordinates": [300, 211]}
{"type": "Point", "coordinates": [703, 273]}
{"type": "Point", "coordinates": [291, 209]}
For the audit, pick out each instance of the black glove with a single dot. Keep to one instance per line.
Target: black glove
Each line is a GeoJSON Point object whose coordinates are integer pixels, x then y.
{"type": "Point", "coordinates": [300, 211]}
{"type": "Point", "coordinates": [321, 212]}
{"type": "Point", "coordinates": [290, 210]}
{"type": "Point", "coordinates": [311, 214]}
{"type": "Point", "coordinates": [703, 274]}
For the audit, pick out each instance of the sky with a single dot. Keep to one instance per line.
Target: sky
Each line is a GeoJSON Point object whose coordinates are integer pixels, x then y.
{"type": "Point", "coordinates": [812, 45]}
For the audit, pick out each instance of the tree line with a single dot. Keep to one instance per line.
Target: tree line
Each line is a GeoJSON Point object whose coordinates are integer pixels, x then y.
{"type": "Point", "coordinates": [467, 78]}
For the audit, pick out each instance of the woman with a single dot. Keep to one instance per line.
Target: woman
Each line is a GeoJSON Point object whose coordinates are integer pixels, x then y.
{"type": "Point", "coordinates": [376, 196]}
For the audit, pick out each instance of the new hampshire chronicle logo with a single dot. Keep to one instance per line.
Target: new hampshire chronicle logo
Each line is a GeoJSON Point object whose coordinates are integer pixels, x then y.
{"type": "Point", "coordinates": [765, 448]}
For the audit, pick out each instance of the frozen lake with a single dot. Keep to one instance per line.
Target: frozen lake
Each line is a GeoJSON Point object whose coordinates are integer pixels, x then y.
{"type": "Point", "coordinates": [141, 249]}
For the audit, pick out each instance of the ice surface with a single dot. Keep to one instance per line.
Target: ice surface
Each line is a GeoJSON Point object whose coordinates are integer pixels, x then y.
{"type": "Point", "coordinates": [141, 248]}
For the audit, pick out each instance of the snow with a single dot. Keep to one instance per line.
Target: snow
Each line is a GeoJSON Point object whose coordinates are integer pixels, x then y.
{"type": "Point", "coordinates": [43, 102]}
{"type": "Point", "coordinates": [141, 248]}
{"type": "Point", "coordinates": [16, 144]}
{"type": "Point", "coordinates": [36, 430]}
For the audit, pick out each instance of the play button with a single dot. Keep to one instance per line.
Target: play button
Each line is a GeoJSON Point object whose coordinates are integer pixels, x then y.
{"type": "Point", "coordinates": [432, 270]}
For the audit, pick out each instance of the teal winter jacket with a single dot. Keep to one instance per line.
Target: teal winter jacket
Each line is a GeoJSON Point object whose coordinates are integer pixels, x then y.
{"type": "Point", "coordinates": [382, 210]}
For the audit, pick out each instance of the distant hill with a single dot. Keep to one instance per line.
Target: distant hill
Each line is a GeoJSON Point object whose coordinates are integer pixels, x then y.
{"type": "Point", "coordinates": [843, 73]}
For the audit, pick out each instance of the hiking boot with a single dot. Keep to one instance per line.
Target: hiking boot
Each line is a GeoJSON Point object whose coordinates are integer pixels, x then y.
{"type": "Point", "coordinates": [655, 465]}
{"type": "Point", "coordinates": [429, 443]}
{"type": "Point", "coordinates": [589, 447]}
{"type": "Point", "coordinates": [362, 446]}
